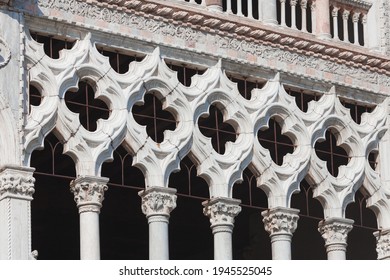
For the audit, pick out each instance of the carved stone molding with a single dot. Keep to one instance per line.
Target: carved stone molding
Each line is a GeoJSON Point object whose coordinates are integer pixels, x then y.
{"type": "Point", "coordinates": [16, 182]}
{"type": "Point", "coordinates": [383, 244]}
{"type": "Point", "coordinates": [280, 220]}
{"type": "Point", "coordinates": [158, 201]}
{"type": "Point", "coordinates": [89, 192]}
{"type": "Point", "coordinates": [335, 233]}
{"type": "Point", "coordinates": [133, 16]}
{"type": "Point", "coordinates": [5, 53]}
{"type": "Point", "coordinates": [222, 211]}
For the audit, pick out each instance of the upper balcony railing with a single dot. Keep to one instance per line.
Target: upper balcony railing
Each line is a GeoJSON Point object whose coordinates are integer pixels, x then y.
{"type": "Point", "coordinates": [342, 20]}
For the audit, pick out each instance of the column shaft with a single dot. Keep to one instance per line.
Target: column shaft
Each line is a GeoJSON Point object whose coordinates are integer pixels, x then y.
{"type": "Point", "coordinates": [268, 12]}
{"type": "Point", "coordinates": [322, 19]}
{"type": "Point", "coordinates": [345, 25]}
{"type": "Point", "coordinates": [282, 12]}
{"type": "Point", "coordinates": [293, 4]}
{"type": "Point", "coordinates": [157, 204]}
{"type": "Point", "coordinates": [89, 236]}
{"type": "Point", "coordinates": [89, 194]}
{"type": "Point", "coordinates": [335, 13]}
{"type": "Point", "coordinates": [304, 19]}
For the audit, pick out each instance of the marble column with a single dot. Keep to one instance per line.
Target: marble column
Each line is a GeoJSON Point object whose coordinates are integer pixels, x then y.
{"type": "Point", "coordinates": [89, 193]}
{"type": "Point", "coordinates": [221, 212]}
{"type": "Point", "coordinates": [16, 190]}
{"type": "Point", "coordinates": [157, 204]}
{"type": "Point", "coordinates": [282, 12]}
{"type": "Point", "coordinates": [335, 13]}
{"type": "Point", "coordinates": [303, 4]}
{"type": "Point", "coordinates": [365, 30]}
{"type": "Point", "coordinates": [293, 4]}
{"type": "Point", "coordinates": [268, 12]}
{"type": "Point", "coordinates": [214, 5]}
{"type": "Point", "coordinates": [335, 232]}
{"type": "Point", "coordinates": [322, 15]}
{"type": "Point", "coordinates": [281, 223]}
{"type": "Point", "coordinates": [355, 20]}
{"type": "Point", "coordinates": [383, 244]}
{"type": "Point", "coordinates": [345, 25]}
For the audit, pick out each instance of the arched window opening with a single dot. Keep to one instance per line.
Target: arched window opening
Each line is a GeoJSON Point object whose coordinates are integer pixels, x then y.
{"type": "Point", "coordinates": [356, 110]}
{"type": "Point", "coordinates": [213, 126]}
{"type": "Point", "coordinates": [120, 61]}
{"type": "Point", "coordinates": [245, 85]}
{"type": "Point", "coordinates": [278, 144]}
{"type": "Point", "coordinates": [54, 215]}
{"type": "Point", "coordinates": [34, 96]}
{"type": "Point", "coordinates": [302, 98]}
{"type": "Point", "coordinates": [83, 102]}
{"type": "Point", "coordinates": [185, 71]}
{"type": "Point", "coordinates": [361, 241]}
{"type": "Point", "coordinates": [52, 45]}
{"type": "Point", "coordinates": [334, 155]}
{"type": "Point", "coordinates": [154, 117]}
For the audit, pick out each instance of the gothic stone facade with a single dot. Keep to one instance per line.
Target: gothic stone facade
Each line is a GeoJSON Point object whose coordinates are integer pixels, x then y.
{"type": "Point", "coordinates": [333, 53]}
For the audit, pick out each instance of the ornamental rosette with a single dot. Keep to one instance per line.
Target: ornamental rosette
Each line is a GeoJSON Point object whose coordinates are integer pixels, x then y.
{"type": "Point", "coordinates": [280, 220]}
{"type": "Point", "coordinates": [158, 201]}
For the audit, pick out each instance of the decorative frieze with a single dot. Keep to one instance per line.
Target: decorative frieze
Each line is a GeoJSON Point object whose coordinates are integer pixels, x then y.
{"type": "Point", "coordinates": [158, 201]}
{"type": "Point", "coordinates": [154, 24]}
{"type": "Point", "coordinates": [17, 182]}
{"type": "Point", "coordinates": [221, 211]}
{"type": "Point", "coordinates": [89, 192]}
{"type": "Point", "coordinates": [280, 220]}
{"type": "Point", "coordinates": [383, 244]}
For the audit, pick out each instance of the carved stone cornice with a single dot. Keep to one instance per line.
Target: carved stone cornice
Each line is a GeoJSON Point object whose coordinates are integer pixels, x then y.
{"type": "Point", "coordinates": [383, 244]}
{"type": "Point", "coordinates": [89, 192]}
{"type": "Point", "coordinates": [16, 182]}
{"type": "Point", "coordinates": [158, 201]}
{"type": "Point", "coordinates": [361, 4]}
{"type": "Point", "coordinates": [335, 233]}
{"type": "Point", "coordinates": [280, 220]}
{"type": "Point", "coordinates": [222, 211]}
{"type": "Point", "coordinates": [198, 20]}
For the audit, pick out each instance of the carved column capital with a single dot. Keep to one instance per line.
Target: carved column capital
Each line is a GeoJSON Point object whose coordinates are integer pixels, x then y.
{"type": "Point", "coordinates": [222, 211]}
{"type": "Point", "coordinates": [313, 6]}
{"type": "Point", "coordinates": [158, 201]}
{"type": "Point", "coordinates": [383, 244]}
{"type": "Point", "coordinates": [356, 16]}
{"type": "Point", "coordinates": [16, 182]}
{"type": "Point", "coordinates": [293, 2]}
{"type": "Point", "coordinates": [303, 4]}
{"type": "Point", "coordinates": [364, 18]}
{"type": "Point", "coordinates": [346, 14]}
{"type": "Point", "coordinates": [335, 232]}
{"type": "Point", "coordinates": [282, 1]}
{"type": "Point", "coordinates": [335, 11]}
{"type": "Point", "coordinates": [280, 220]}
{"type": "Point", "coordinates": [89, 192]}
